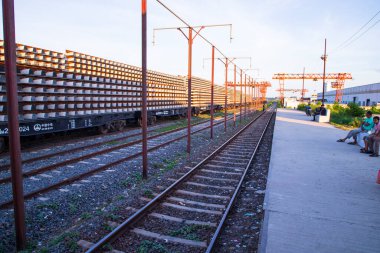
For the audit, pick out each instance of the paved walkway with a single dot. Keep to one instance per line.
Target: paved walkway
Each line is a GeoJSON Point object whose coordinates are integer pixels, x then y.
{"type": "Point", "coordinates": [321, 195]}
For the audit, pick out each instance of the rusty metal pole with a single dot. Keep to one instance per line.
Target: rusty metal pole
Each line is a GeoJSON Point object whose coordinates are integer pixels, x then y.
{"type": "Point", "coordinates": [13, 123]}
{"type": "Point", "coordinates": [250, 94]}
{"type": "Point", "coordinates": [189, 66]}
{"type": "Point", "coordinates": [255, 95]}
{"type": "Point", "coordinates": [144, 112]}
{"type": "Point", "coordinates": [303, 85]}
{"type": "Point", "coordinates": [212, 93]}
{"type": "Point", "coordinates": [241, 94]}
{"type": "Point", "coordinates": [245, 96]}
{"type": "Point", "coordinates": [234, 95]}
{"type": "Point", "coordinates": [324, 75]}
{"type": "Point", "coordinates": [225, 97]}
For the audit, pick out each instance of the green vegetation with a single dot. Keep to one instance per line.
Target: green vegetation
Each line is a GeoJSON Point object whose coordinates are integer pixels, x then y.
{"type": "Point", "coordinates": [107, 227]}
{"type": "Point", "coordinates": [169, 164]}
{"type": "Point", "coordinates": [188, 232]}
{"type": "Point", "coordinates": [113, 217]}
{"type": "Point", "coordinates": [86, 216]}
{"type": "Point", "coordinates": [107, 247]}
{"type": "Point", "coordinates": [120, 197]}
{"type": "Point", "coordinates": [53, 206]}
{"type": "Point", "coordinates": [270, 103]}
{"type": "Point", "coordinates": [151, 247]}
{"type": "Point", "coordinates": [179, 124]}
{"type": "Point", "coordinates": [194, 120]}
{"type": "Point", "coordinates": [69, 239]}
{"type": "Point", "coordinates": [157, 165]}
{"type": "Point", "coordinates": [135, 178]}
{"type": "Point", "coordinates": [148, 194]}
{"type": "Point", "coordinates": [43, 250]}
{"type": "Point", "coordinates": [72, 208]}
{"type": "Point", "coordinates": [2, 248]}
{"type": "Point", "coordinates": [349, 117]}
{"type": "Point", "coordinates": [31, 246]}
{"type": "Point", "coordinates": [112, 143]}
{"type": "Point", "coordinates": [218, 114]}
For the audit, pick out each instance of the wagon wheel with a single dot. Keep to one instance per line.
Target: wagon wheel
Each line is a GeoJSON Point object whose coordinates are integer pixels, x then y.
{"type": "Point", "coordinates": [2, 144]}
{"type": "Point", "coordinates": [120, 125]}
{"type": "Point", "coordinates": [104, 129]}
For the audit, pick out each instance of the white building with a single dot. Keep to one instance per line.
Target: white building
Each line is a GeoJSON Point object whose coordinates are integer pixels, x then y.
{"type": "Point", "coordinates": [364, 95]}
{"type": "Point", "coordinates": [291, 102]}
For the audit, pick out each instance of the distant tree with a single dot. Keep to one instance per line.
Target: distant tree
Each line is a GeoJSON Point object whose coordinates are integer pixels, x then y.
{"type": "Point", "coordinates": [355, 110]}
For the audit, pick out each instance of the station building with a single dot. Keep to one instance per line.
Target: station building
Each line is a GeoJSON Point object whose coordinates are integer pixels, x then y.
{"type": "Point", "coordinates": [364, 95]}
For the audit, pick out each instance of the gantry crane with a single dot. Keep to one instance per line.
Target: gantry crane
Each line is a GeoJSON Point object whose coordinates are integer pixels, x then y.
{"type": "Point", "coordinates": [302, 91]}
{"type": "Point", "coordinates": [338, 84]}
{"type": "Point", "coordinates": [261, 91]}
{"type": "Point", "coordinates": [258, 92]}
{"type": "Point", "coordinates": [263, 86]}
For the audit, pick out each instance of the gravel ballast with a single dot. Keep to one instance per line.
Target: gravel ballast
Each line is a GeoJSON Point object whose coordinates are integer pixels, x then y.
{"type": "Point", "coordinates": [58, 219]}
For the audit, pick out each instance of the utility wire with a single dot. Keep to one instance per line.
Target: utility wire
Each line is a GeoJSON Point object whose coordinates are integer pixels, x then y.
{"type": "Point", "coordinates": [200, 35]}
{"type": "Point", "coordinates": [352, 36]}
{"type": "Point", "coordinates": [369, 28]}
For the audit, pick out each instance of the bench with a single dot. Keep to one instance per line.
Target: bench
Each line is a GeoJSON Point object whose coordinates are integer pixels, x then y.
{"type": "Point", "coordinates": [323, 118]}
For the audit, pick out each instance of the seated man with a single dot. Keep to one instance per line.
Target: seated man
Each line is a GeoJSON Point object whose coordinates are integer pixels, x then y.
{"type": "Point", "coordinates": [363, 136]}
{"type": "Point", "coordinates": [365, 126]}
{"type": "Point", "coordinates": [320, 111]}
{"type": "Point", "coordinates": [374, 143]}
{"type": "Point", "coordinates": [308, 110]}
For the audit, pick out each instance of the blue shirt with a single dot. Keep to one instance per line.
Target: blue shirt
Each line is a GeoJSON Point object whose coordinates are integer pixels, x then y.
{"type": "Point", "coordinates": [370, 122]}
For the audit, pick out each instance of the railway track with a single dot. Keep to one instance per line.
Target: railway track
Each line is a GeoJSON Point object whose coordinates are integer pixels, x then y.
{"type": "Point", "coordinates": [117, 139]}
{"type": "Point", "coordinates": [90, 164]}
{"type": "Point", "coordinates": [189, 215]}
{"type": "Point", "coordinates": [33, 147]}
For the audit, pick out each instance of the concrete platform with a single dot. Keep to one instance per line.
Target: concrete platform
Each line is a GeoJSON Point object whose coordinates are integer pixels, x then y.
{"type": "Point", "coordinates": [321, 195]}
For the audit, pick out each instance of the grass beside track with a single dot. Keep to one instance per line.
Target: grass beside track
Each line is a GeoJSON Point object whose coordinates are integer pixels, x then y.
{"type": "Point", "coordinates": [194, 120]}
{"type": "Point", "coordinates": [345, 118]}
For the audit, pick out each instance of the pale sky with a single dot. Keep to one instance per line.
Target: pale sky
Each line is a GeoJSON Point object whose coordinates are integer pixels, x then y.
{"type": "Point", "coordinates": [279, 35]}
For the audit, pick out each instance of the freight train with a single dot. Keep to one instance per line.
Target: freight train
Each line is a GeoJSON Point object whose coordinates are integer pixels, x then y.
{"type": "Point", "coordinates": [66, 91]}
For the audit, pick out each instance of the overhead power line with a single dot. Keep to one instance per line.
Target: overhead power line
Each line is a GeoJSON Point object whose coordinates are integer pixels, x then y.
{"type": "Point", "coordinates": [369, 28]}
{"type": "Point", "coordinates": [348, 41]}
{"type": "Point", "coordinates": [200, 35]}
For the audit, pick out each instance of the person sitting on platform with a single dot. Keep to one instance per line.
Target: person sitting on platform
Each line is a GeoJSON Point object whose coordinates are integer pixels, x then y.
{"type": "Point", "coordinates": [363, 136]}
{"type": "Point", "coordinates": [320, 111]}
{"type": "Point", "coordinates": [308, 109]}
{"type": "Point", "coordinates": [374, 142]}
{"type": "Point", "coordinates": [365, 126]}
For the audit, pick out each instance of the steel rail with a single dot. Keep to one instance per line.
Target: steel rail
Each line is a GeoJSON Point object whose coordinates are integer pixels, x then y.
{"type": "Point", "coordinates": [87, 156]}
{"type": "Point", "coordinates": [67, 181]}
{"type": "Point", "coordinates": [154, 202]}
{"type": "Point", "coordinates": [6, 166]}
{"type": "Point", "coordinates": [210, 247]}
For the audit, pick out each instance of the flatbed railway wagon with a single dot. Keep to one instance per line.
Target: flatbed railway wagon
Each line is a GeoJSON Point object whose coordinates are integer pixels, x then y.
{"type": "Point", "coordinates": [57, 93]}
{"type": "Point", "coordinates": [67, 91]}
{"type": "Point", "coordinates": [201, 95]}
